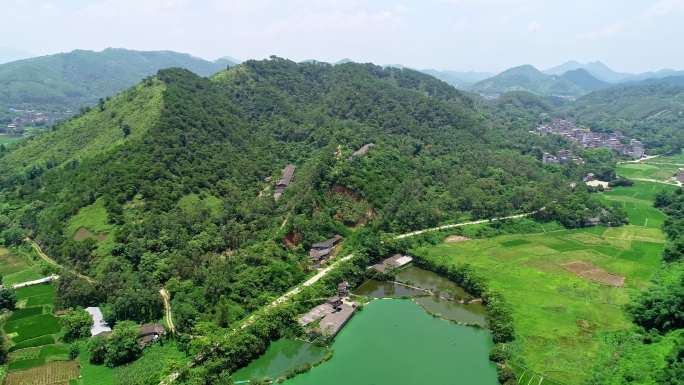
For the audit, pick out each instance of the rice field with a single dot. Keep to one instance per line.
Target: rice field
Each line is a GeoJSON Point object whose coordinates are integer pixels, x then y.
{"type": "Point", "coordinates": [561, 318]}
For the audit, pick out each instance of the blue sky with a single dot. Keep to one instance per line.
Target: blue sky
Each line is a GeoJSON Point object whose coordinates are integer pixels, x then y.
{"type": "Point", "coordinates": [485, 35]}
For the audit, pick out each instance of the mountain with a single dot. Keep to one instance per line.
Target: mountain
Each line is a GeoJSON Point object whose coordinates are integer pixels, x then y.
{"type": "Point", "coordinates": [8, 54]}
{"type": "Point", "coordinates": [171, 178]}
{"type": "Point", "coordinates": [651, 110]}
{"type": "Point", "coordinates": [71, 80]}
{"type": "Point", "coordinates": [596, 69]}
{"type": "Point", "coordinates": [528, 78]}
{"type": "Point", "coordinates": [459, 79]}
{"type": "Point", "coordinates": [584, 80]}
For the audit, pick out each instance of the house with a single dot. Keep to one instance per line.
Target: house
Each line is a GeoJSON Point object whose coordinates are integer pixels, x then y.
{"type": "Point", "coordinates": [149, 333]}
{"type": "Point", "coordinates": [589, 177]}
{"type": "Point", "coordinates": [321, 250]}
{"type": "Point", "coordinates": [363, 150]}
{"type": "Point", "coordinates": [394, 262]}
{"type": "Point", "coordinates": [343, 289]}
{"type": "Point", "coordinates": [285, 180]}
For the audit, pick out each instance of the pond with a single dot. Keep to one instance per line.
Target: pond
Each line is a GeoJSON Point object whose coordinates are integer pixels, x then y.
{"type": "Point", "coordinates": [281, 357]}
{"type": "Point", "coordinates": [395, 342]}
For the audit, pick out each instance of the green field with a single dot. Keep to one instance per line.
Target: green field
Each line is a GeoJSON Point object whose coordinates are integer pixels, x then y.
{"type": "Point", "coordinates": [16, 268]}
{"type": "Point", "coordinates": [645, 170]}
{"type": "Point", "coordinates": [562, 319]}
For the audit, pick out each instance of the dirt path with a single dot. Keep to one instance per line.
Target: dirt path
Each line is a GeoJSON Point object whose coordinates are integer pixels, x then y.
{"type": "Point", "coordinates": [167, 310]}
{"type": "Point", "coordinates": [656, 181]}
{"type": "Point", "coordinates": [52, 262]}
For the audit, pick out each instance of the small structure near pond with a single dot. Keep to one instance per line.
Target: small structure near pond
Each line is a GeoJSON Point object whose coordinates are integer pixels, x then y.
{"type": "Point", "coordinates": [331, 316]}
{"type": "Point", "coordinates": [99, 324]}
{"type": "Point", "coordinates": [394, 262]}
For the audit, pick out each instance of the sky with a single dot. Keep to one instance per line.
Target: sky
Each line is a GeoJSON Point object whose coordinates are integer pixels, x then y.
{"type": "Point", "coordinates": [480, 35]}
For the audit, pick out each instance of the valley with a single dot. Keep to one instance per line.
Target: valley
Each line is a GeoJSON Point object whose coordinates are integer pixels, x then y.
{"type": "Point", "coordinates": [204, 216]}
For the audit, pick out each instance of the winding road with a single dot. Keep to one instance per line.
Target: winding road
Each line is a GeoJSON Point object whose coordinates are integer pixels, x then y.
{"type": "Point", "coordinates": [445, 227]}
{"type": "Point", "coordinates": [167, 309]}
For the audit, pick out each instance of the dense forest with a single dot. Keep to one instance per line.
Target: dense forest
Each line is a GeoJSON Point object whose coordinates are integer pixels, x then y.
{"type": "Point", "coordinates": [172, 181]}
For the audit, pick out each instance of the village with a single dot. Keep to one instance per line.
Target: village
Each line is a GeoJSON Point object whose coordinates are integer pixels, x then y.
{"type": "Point", "coordinates": [586, 138]}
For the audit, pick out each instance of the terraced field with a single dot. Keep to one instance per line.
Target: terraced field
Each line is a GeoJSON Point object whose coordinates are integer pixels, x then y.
{"type": "Point", "coordinates": [561, 315]}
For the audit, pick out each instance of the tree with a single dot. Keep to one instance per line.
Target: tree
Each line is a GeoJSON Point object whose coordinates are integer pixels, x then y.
{"type": "Point", "coordinates": [123, 346]}
{"type": "Point", "coordinates": [8, 298]}
{"type": "Point", "coordinates": [97, 346]}
{"type": "Point", "coordinates": [74, 351]}
{"type": "Point", "coordinates": [77, 324]}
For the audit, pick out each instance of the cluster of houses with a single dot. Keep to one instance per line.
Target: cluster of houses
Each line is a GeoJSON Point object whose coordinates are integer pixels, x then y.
{"type": "Point", "coordinates": [327, 319]}
{"type": "Point", "coordinates": [589, 139]}
{"type": "Point", "coordinates": [147, 333]}
{"type": "Point", "coordinates": [29, 117]}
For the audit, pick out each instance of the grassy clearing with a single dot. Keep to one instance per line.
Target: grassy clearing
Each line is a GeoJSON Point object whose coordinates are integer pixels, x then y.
{"type": "Point", "coordinates": [92, 222]}
{"type": "Point", "coordinates": [9, 139]}
{"type": "Point", "coordinates": [151, 367]}
{"type": "Point", "coordinates": [561, 319]}
{"type": "Point", "coordinates": [92, 374]}
{"type": "Point", "coordinates": [660, 172]}
{"type": "Point", "coordinates": [637, 200]}
{"type": "Point", "coordinates": [16, 268]}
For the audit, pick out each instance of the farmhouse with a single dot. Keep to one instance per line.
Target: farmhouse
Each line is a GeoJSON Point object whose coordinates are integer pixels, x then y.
{"type": "Point", "coordinates": [321, 250]}
{"type": "Point", "coordinates": [343, 289]}
{"type": "Point", "coordinates": [363, 150]}
{"type": "Point", "coordinates": [149, 333]}
{"type": "Point", "coordinates": [394, 262]}
{"type": "Point", "coordinates": [285, 180]}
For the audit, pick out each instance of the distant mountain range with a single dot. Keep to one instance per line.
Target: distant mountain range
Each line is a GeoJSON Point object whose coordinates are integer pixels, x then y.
{"type": "Point", "coordinates": [77, 78]}
{"type": "Point", "coordinates": [528, 78]}
{"type": "Point", "coordinates": [606, 74]}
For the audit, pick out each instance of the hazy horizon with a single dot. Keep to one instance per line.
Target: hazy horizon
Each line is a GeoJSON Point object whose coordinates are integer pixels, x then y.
{"type": "Point", "coordinates": [461, 35]}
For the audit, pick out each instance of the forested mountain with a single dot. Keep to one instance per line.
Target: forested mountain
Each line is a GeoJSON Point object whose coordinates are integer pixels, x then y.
{"type": "Point", "coordinates": [170, 182]}
{"type": "Point", "coordinates": [527, 78]}
{"type": "Point", "coordinates": [652, 111]}
{"type": "Point", "coordinates": [71, 80]}
{"type": "Point", "coordinates": [584, 80]}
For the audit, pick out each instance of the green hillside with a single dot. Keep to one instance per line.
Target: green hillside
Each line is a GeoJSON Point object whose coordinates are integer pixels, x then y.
{"type": "Point", "coordinates": [170, 183]}
{"type": "Point", "coordinates": [652, 111]}
{"type": "Point", "coordinates": [71, 80]}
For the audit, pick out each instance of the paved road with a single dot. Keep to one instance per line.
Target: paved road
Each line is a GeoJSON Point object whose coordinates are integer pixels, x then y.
{"type": "Point", "coordinates": [51, 261]}
{"type": "Point", "coordinates": [36, 282]}
{"type": "Point", "coordinates": [280, 300]}
{"type": "Point", "coordinates": [414, 233]}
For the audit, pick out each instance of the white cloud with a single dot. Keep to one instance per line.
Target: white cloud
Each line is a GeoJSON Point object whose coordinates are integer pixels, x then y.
{"type": "Point", "coordinates": [665, 7]}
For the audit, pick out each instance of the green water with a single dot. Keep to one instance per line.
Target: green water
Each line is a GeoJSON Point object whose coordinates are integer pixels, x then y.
{"type": "Point", "coordinates": [434, 282]}
{"type": "Point", "coordinates": [471, 314]}
{"type": "Point", "coordinates": [281, 357]}
{"type": "Point", "coordinates": [382, 289]}
{"type": "Point", "coordinates": [395, 342]}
